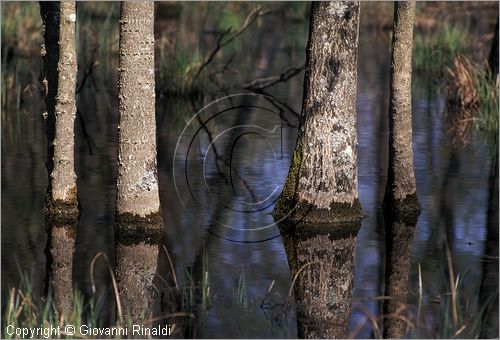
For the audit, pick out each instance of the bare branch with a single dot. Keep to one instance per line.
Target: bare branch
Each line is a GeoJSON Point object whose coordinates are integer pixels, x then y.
{"type": "Point", "coordinates": [263, 83]}
{"type": "Point", "coordinates": [250, 19]}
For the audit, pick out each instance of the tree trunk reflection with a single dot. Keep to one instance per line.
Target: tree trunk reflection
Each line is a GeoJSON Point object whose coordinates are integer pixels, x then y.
{"type": "Point", "coordinates": [321, 259]}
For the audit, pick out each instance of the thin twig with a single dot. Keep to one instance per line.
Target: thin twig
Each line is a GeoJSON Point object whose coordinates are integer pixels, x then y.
{"type": "Point", "coordinates": [115, 286]}
{"type": "Point", "coordinates": [171, 266]}
{"type": "Point", "coordinates": [452, 284]}
{"type": "Point", "coordinates": [86, 74]}
{"type": "Point", "coordinates": [297, 275]}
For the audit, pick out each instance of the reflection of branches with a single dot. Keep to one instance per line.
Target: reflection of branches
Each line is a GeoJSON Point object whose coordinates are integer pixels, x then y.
{"type": "Point", "coordinates": [263, 83]}
{"type": "Point", "coordinates": [280, 107]}
{"type": "Point", "coordinates": [225, 67]}
{"type": "Point", "coordinates": [88, 71]}
{"type": "Point", "coordinates": [220, 158]}
{"type": "Point", "coordinates": [225, 38]}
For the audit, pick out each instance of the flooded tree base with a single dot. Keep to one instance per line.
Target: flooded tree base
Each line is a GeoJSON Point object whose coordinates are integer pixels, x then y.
{"type": "Point", "coordinates": [132, 228]}
{"type": "Point", "coordinates": [338, 213]}
{"type": "Point", "coordinates": [138, 241]}
{"type": "Point", "coordinates": [60, 219]}
{"type": "Point", "coordinates": [61, 213]}
{"type": "Point", "coordinates": [406, 210]}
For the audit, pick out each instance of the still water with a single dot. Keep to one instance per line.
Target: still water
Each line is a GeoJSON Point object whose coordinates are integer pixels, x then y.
{"type": "Point", "coordinates": [222, 160]}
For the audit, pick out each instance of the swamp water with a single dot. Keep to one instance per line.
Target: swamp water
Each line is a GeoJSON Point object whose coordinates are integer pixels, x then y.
{"type": "Point", "coordinates": [218, 180]}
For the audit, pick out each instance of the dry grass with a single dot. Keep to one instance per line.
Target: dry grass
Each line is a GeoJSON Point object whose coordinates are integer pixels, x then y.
{"type": "Point", "coordinates": [462, 100]}
{"type": "Point", "coordinates": [472, 101]}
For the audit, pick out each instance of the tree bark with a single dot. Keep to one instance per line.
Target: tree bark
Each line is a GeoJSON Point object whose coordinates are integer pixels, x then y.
{"type": "Point", "coordinates": [322, 183]}
{"type": "Point", "coordinates": [322, 264]}
{"type": "Point", "coordinates": [139, 224]}
{"type": "Point", "coordinates": [399, 237]}
{"type": "Point", "coordinates": [61, 210]}
{"type": "Point", "coordinates": [401, 193]}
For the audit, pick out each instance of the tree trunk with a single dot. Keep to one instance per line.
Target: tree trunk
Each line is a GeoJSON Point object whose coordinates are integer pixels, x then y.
{"type": "Point", "coordinates": [139, 224]}
{"type": "Point", "coordinates": [322, 183]}
{"type": "Point", "coordinates": [399, 237]}
{"type": "Point", "coordinates": [322, 264]}
{"type": "Point", "coordinates": [401, 193]}
{"type": "Point", "coordinates": [493, 58]}
{"type": "Point", "coordinates": [488, 296]}
{"type": "Point", "coordinates": [61, 211]}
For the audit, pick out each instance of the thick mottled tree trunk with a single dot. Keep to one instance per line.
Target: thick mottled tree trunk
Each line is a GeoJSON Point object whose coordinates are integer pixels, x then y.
{"type": "Point", "coordinates": [139, 224]}
{"type": "Point", "coordinates": [401, 193]}
{"type": "Point", "coordinates": [322, 261]}
{"type": "Point", "coordinates": [398, 239]}
{"type": "Point", "coordinates": [322, 183]}
{"type": "Point", "coordinates": [61, 211]}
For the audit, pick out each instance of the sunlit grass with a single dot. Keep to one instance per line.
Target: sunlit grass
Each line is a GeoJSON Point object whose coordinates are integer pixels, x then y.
{"type": "Point", "coordinates": [24, 310]}
{"type": "Point", "coordinates": [433, 51]}
{"type": "Point", "coordinates": [472, 102]}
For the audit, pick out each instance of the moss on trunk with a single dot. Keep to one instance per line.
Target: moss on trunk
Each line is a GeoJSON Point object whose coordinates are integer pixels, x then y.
{"type": "Point", "coordinates": [132, 228]}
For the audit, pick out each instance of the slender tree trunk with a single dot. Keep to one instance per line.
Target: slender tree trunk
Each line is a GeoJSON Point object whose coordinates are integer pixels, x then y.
{"type": "Point", "coordinates": [61, 211]}
{"type": "Point", "coordinates": [488, 296]}
{"type": "Point", "coordinates": [493, 58]}
{"type": "Point", "coordinates": [401, 193]}
{"type": "Point", "coordinates": [399, 237]}
{"type": "Point", "coordinates": [139, 223]}
{"type": "Point", "coordinates": [49, 11]}
{"type": "Point", "coordinates": [321, 261]}
{"type": "Point", "coordinates": [322, 183]}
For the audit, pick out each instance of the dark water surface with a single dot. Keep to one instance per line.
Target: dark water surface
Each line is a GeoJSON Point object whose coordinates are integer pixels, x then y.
{"type": "Point", "coordinates": [232, 224]}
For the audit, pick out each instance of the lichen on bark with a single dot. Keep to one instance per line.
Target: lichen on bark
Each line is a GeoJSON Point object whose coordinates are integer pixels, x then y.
{"type": "Point", "coordinates": [137, 174]}
{"type": "Point", "coordinates": [322, 181]}
{"type": "Point", "coordinates": [63, 175]}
